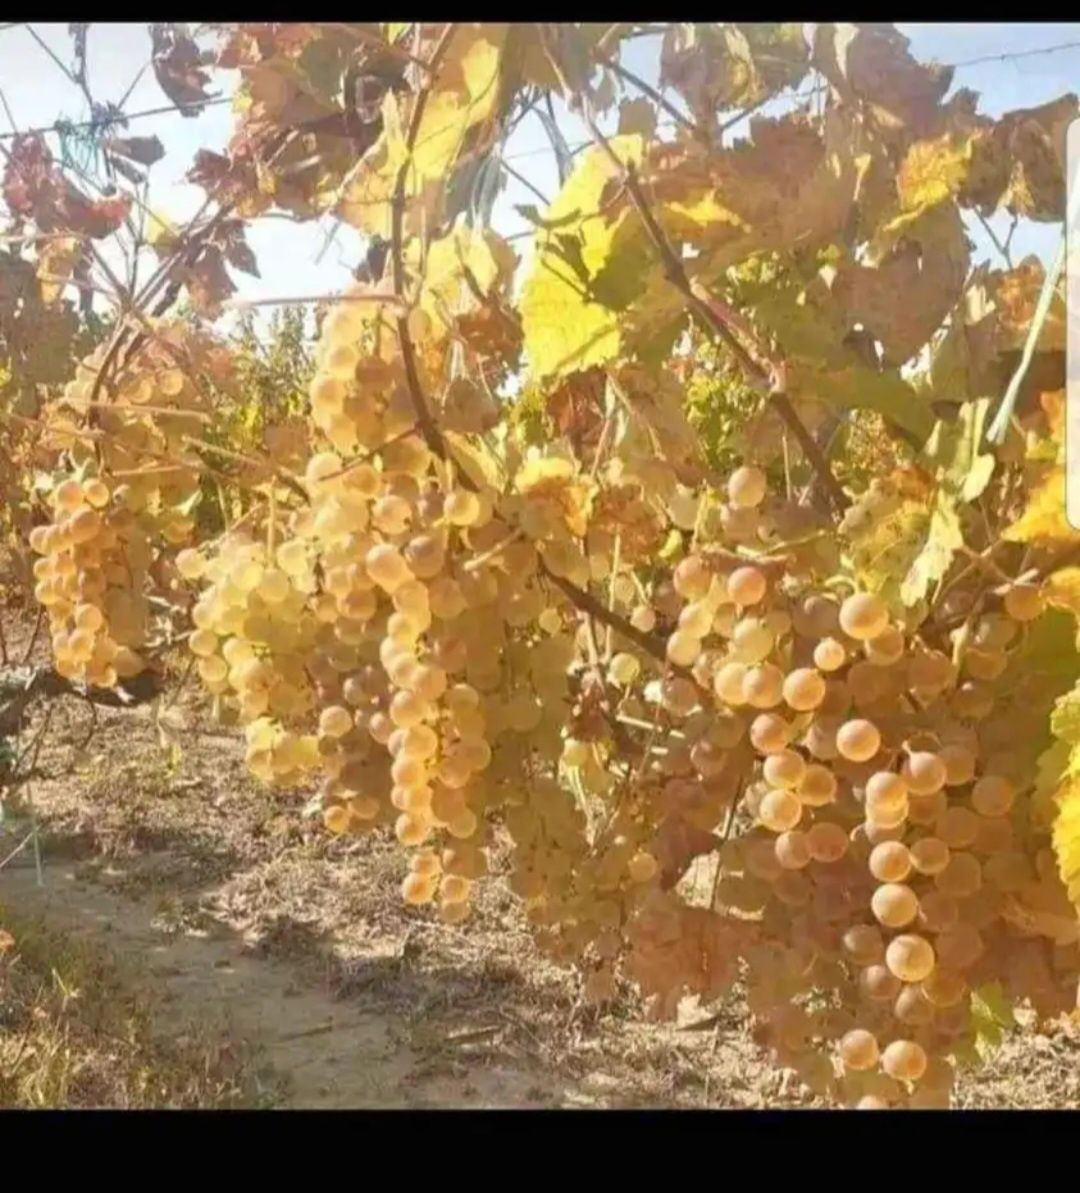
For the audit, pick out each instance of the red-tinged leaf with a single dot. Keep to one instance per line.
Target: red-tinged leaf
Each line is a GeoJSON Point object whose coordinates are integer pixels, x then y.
{"type": "Point", "coordinates": [239, 254]}
{"type": "Point", "coordinates": [144, 150]}
{"type": "Point", "coordinates": [35, 188]}
{"type": "Point", "coordinates": [178, 64]}
{"type": "Point", "coordinates": [676, 845]}
{"type": "Point", "coordinates": [928, 266]}
{"type": "Point", "coordinates": [237, 250]}
{"type": "Point", "coordinates": [286, 38]}
{"type": "Point", "coordinates": [1021, 162]}
{"type": "Point", "coordinates": [96, 218]}
{"type": "Point", "coordinates": [208, 282]}
{"type": "Point", "coordinates": [231, 179]}
{"type": "Point", "coordinates": [247, 44]}
{"type": "Point", "coordinates": [577, 406]}
{"type": "Point", "coordinates": [871, 62]}
{"type": "Point", "coordinates": [29, 169]}
{"type": "Point", "coordinates": [210, 170]}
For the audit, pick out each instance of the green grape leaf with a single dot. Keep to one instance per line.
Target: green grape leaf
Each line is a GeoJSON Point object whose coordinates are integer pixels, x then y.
{"type": "Point", "coordinates": [991, 1016]}
{"type": "Point", "coordinates": [587, 273]}
{"type": "Point", "coordinates": [943, 537]}
{"type": "Point", "coordinates": [1065, 719]}
{"type": "Point", "coordinates": [952, 452]}
{"type": "Point", "coordinates": [811, 330]}
{"type": "Point", "coordinates": [885, 530]}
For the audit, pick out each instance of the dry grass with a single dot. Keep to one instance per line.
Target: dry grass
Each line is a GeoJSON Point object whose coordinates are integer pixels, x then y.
{"type": "Point", "coordinates": [76, 1033]}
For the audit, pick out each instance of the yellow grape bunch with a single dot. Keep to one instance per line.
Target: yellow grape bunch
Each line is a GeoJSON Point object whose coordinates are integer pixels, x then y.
{"type": "Point", "coordinates": [124, 497]}
{"type": "Point", "coordinates": [90, 576]}
{"type": "Point", "coordinates": [362, 636]}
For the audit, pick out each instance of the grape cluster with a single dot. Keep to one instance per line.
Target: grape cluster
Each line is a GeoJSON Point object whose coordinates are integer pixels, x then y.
{"type": "Point", "coordinates": [90, 577]}
{"type": "Point", "coordinates": [884, 853]}
{"type": "Point", "coordinates": [129, 501]}
{"type": "Point", "coordinates": [371, 644]}
{"type": "Point", "coordinates": [138, 428]}
{"type": "Point", "coordinates": [728, 764]}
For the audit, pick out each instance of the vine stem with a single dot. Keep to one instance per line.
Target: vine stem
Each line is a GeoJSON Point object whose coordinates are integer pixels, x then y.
{"type": "Point", "coordinates": [647, 89]}
{"type": "Point", "coordinates": [250, 461]}
{"type": "Point", "coordinates": [587, 603]}
{"type": "Point", "coordinates": [429, 429]}
{"type": "Point", "coordinates": [762, 372]}
{"type": "Point", "coordinates": [583, 600]}
{"type": "Point", "coordinates": [579, 597]}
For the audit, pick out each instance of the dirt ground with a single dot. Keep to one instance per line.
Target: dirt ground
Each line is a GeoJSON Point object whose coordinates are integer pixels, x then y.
{"type": "Point", "coordinates": [240, 920]}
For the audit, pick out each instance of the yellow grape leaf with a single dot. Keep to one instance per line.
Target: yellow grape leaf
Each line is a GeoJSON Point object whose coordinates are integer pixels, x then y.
{"type": "Point", "coordinates": [1038, 706]}
{"type": "Point", "coordinates": [476, 459]}
{"type": "Point", "coordinates": [1058, 766]}
{"type": "Point", "coordinates": [1062, 589]}
{"type": "Point", "coordinates": [726, 202]}
{"type": "Point", "coordinates": [885, 530]}
{"type": "Point", "coordinates": [1065, 726]}
{"type": "Point", "coordinates": [465, 96]}
{"type": "Point", "coordinates": [952, 452]}
{"type": "Point", "coordinates": [160, 234]}
{"type": "Point", "coordinates": [935, 170]}
{"type": "Point", "coordinates": [466, 93]}
{"type": "Point", "coordinates": [1066, 837]}
{"type": "Point", "coordinates": [465, 255]}
{"type": "Point", "coordinates": [1061, 765]}
{"type": "Point", "coordinates": [1053, 407]}
{"type": "Point", "coordinates": [366, 195]}
{"type": "Point", "coordinates": [1044, 521]}
{"type": "Point", "coordinates": [1050, 766]}
{"type": "Point", "coordinates": [991, 1016]}
{"type": "Point", "coordinates": [689, 216]}
{"type": "Point", "coordinates": [588, 268]}
{"type": "Point", "coordinates": [57, 259]}
{"type": "Point", "coordinates": [1062, 761]}
{"type": "Point", "coordinates": [943, 537]}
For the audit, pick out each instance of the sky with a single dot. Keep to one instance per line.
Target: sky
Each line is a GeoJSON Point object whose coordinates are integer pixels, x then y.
{"type": "Point", "coordinates": [316, 258]}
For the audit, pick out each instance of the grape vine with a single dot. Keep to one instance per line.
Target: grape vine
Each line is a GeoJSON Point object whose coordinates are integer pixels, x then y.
{"type": "Point", "coordinates": [794, 709]}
